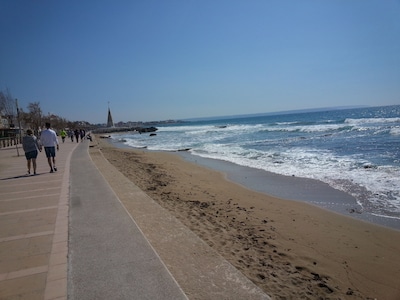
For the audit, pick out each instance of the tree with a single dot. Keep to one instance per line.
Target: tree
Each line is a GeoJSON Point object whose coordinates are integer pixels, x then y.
{"type": "Point", "coordinates": [56, 122]}
{"type": "Point", "coordinates": [8, 107]}
{"type": "Point", "coordinates": [34, 116]}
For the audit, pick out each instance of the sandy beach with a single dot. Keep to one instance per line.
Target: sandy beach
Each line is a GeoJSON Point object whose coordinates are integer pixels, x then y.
{"type": "Point", "coordinates": [291, 250]}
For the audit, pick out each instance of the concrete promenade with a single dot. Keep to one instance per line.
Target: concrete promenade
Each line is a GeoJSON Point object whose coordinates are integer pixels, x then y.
{"type": "Point", "coordinates": [86, 232]}
{"type": "Point", "coordinates": [34, 226]}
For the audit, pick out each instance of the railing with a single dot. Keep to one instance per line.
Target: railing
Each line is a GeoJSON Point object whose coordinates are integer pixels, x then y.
{"type": "Point", "coordinates": [9, 141]}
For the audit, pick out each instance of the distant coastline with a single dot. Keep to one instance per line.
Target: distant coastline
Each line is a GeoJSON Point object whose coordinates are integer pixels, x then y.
{"type": "Point", "coordinates": [142, 124]}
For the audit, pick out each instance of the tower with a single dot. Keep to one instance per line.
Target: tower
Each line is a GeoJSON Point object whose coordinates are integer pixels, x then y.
{"type": "Point", "coordinates": [110, 122]}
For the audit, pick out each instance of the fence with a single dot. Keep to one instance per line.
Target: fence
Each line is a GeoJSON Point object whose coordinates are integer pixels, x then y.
{"type": "Point", "coordinates": [9, 141]}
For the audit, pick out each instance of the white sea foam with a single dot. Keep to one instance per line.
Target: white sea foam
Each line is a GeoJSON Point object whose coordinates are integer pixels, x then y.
{"type": "Point", "coordinates": [343, 173]}
{"type": "Point", "coordinates": [313, 128]}
{"type": "Point", "coordinates": [395, 130]}
{"type": "Point", "coordinates": [372, 120]}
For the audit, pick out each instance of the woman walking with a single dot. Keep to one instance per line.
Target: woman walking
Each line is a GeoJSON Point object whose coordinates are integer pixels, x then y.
{"type": "Point", "coordinates": [31, 146]}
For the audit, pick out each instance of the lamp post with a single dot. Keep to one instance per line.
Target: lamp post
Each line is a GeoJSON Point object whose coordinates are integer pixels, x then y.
{"type": "Point", "coordinates": [19, 127]}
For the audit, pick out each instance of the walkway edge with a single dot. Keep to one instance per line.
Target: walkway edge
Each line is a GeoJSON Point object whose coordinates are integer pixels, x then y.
{"type": "Point", "coordinates": [56, 282]}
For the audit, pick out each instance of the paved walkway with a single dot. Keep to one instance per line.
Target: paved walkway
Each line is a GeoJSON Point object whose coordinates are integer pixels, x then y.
{"type": "Point", "coordinates": [83, 234]}
{"type": "Point", "coordinates": [34, 226]}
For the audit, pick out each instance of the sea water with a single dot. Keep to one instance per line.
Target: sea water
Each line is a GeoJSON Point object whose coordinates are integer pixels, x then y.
{"type": "Point", "coordinates": [354, 150]}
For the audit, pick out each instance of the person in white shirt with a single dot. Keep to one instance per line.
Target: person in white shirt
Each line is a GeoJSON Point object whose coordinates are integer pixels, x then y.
{"type": "Point", "coordinates": [48, 139]}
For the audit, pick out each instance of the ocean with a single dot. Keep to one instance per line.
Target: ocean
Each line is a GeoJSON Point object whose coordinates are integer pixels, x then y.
{"type": "Point", "coordinates": [356, 151]}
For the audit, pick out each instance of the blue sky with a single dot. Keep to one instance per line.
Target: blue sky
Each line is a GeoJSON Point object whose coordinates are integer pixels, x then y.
{"type": "Point", "coordinates": [178, 59]}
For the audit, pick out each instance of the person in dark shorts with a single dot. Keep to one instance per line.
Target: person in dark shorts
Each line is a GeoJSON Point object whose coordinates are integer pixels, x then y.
{"type": "Point", "coordinates": [49, 141]}
{"type": "Point", "coordinates": [31, 147]}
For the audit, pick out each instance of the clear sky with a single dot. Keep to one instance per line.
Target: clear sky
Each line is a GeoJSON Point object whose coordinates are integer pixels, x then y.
{"type": "Point", "coordinates": [178, 59]}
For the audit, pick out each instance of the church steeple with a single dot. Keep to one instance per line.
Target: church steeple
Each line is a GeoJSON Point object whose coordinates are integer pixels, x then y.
{"type": "Point", "coordinates": [110, 122]}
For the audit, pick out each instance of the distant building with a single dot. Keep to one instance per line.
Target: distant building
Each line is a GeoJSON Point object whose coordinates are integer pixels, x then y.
{"type": "Point", "coordinates": [110, 122]}
{"type": "Point", "coordinates": [3, 122]}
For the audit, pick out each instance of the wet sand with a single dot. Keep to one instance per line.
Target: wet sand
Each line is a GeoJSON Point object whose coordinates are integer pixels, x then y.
{"type": "Point", "coordinates": [294, 188]}
{"type": "Point", "coordinates": [290, 249]}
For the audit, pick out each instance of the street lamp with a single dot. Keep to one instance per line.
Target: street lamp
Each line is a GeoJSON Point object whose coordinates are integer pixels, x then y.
{"type": "Point", "coordinates": [19, 127]}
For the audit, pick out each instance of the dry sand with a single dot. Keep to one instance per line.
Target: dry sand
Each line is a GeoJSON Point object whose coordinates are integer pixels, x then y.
{"type": "Point", "coordinates": [292, 250]}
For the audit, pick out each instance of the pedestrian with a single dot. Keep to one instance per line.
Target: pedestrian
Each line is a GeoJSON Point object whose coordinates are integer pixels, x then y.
{"type": "Point", "coordinates": [71, 134]}
{"type": "Point", "coordinates": [82, 132]}
{"type": "Point", "coordinates": [77, 134]}
{"type": "Point", "coordinates": [49, 141]}
{"type": "Point", "coordinates": [31, 146]}
{"type": "Point", "coordinates": [63, 134]}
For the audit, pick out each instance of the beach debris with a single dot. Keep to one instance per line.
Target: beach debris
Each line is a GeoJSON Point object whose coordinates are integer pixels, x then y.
{"type": "Point", "coordinates": [354, 210]}
{"type": "Point", "coordinates": [324, 285]}
{"type": "Point", "coordinates": [261, 276]}
{"type": "Point", "coordinates": [349, 292]}
{"type": "Point", "coordinates": [369, 166]}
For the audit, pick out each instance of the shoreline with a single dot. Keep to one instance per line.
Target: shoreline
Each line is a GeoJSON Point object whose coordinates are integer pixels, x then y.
{"type": "Point", "coordinates": [290, 249]}
{"type": "Point", "coordinates": [305, 190]}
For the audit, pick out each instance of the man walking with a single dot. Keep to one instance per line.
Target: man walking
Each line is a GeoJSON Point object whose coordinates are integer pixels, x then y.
{"type": "Point", "coordinates": [49, 141]}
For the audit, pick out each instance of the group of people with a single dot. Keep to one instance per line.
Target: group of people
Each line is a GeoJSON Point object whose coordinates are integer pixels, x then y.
{"type": "Point", "coordinates": [48, 140]}
{"type": "Point", "coordinates": [31, 146]}
{"type": "Point", "coordinates": [78, 133]}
